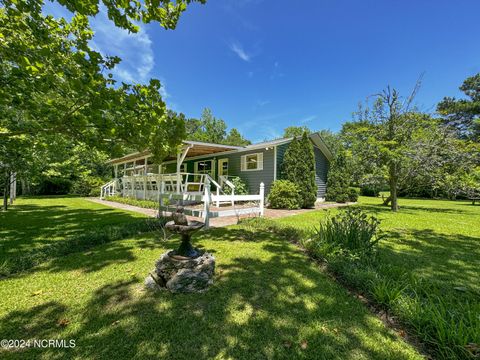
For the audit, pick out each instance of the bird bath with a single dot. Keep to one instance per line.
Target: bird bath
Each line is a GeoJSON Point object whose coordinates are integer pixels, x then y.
{"type": "Point", "coordinates": [185, 249]}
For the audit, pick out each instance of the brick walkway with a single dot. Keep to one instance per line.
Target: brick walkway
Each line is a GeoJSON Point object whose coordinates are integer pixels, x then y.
{"type": "Point", "coordinates": [219, 221]}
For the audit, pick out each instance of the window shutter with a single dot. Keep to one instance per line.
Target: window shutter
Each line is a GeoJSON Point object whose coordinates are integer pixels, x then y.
{"type": "Point", "coordinates": [242, 163]}
{"type": "Point", "coordinates": [260, 161]}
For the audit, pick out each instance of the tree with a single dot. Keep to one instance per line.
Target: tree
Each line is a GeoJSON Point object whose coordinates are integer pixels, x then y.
{"type": "Point", "coordinates": [340, 179]}
{"type": "Point", "coordinates": [52, 82]}
{"type": "Point", "coordinates": [213, 130]}
{"type": "Point", "coordinates": [381, 135]}
{"type": "Point", "coordinates": [235, 138]}
{"type": "Point", "coordinates": [299, 167]}
{"type": "Point", "coordinates": [295, 131]}
{"type": "Point", "coordinates": [464, 114]}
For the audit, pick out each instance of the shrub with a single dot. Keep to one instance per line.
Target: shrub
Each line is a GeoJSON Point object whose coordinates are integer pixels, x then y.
{"type": "Point", "coordinates": [53, 186]}
{"type": "Point", "coordinates": [241, 187]}
{"type": "Point", "coordinates": [284, 194]}
{"type": "Point", "coordinates": [351, 231]}
{"type": "Point", "coordinates": [353, 194]}
{"type": "Point", "coordinates": [339, 179]}
{"type": "Point", "coordinates": [146, 204]}
{"type": "Point", "coordinates": [299, 167]}
{"type": "Point", "coordinates": [369, 191]}
{"type": "Point", "coordinates": [87, 186]}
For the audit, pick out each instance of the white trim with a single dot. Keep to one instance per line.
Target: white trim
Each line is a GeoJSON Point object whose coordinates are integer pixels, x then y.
{"type": "Point", "coordinates": [243, 162]}
{"type": "Point", "coordinates": [275, 163]}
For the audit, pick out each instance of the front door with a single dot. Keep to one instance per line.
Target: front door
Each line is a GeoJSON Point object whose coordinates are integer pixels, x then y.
{"type": "Point", "coordinates": [222, 167]}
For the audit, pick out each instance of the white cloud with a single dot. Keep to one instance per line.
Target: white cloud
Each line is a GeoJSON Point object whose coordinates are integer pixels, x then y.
{"type": "Point", "coordinates": [308, 119]}
{"type": "Point", "coordinates": [135, 49]}
{"type": "Point", "coordinates": [241, 53]}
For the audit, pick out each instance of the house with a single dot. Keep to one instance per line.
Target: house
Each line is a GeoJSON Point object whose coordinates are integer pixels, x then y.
{"type": "Point", "coordinates": [197, 162]}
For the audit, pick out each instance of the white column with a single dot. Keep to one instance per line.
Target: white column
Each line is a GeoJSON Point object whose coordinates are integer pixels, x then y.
{"type": "Point", "coordinates": [206, 202]}
{"type": "Point", "coordinates": [179, 177]}
{"type": "Point", "coordinates": [262, 198]}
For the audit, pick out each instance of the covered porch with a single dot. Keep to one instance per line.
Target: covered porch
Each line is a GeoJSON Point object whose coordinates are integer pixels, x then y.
{"type": "Point", "coordinates": [137, 177]}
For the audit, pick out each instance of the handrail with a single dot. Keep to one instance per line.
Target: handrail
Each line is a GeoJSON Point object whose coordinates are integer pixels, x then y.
{"type": "Point", "coordinates": [224, 178]}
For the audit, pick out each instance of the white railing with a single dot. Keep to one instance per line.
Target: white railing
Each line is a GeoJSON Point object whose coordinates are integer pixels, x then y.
{"type": "Point", "coordinates": [108, 189]}
{"type": "Point", "coordinates": [186, 188]}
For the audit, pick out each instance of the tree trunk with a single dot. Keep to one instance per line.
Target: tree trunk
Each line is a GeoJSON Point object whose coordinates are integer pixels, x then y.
{"type": "Point", "coordinates": [6, 187]}
{"type": "Point", "coordinates": [393, 187]}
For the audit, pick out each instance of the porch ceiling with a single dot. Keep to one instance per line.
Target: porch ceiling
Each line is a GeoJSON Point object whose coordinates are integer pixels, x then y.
{"type": "Point", "coordinates": [196, 149]}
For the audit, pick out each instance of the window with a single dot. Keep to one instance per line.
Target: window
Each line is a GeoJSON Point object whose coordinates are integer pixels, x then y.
{"type": "Point", "coordinates": [183, 168]}
{"type": "Point", "coordinates": [252, 162]}
{"type": "Point", "coordinates": [204, 167]}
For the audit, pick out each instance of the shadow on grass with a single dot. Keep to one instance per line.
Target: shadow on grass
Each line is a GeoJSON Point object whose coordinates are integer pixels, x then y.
{"type": "Point", "coordinates": [435, 256]}
{"type": "Point", "coordinates": [25, 227]}
{"type": "Point", "coordinates": [273, 305]}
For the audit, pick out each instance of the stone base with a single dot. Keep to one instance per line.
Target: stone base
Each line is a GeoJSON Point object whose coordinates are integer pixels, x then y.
{"type": "Point", "coordinates": [181, 274]}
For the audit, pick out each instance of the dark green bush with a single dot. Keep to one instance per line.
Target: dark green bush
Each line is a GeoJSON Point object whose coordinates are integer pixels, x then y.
{"type": "Point", "coordinates": [284, 195]}
{"type": "Point", "coordinates": [53, 186]}
{"type": "Point", "coordinates": [353, 194]}
{"type": "Point", "coordinates": [87, 186]}
{"type": "Point", "coordinates": [369, 191]}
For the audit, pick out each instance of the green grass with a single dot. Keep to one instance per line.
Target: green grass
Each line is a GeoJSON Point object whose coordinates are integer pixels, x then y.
{"type": "Point", "coordinates": [437, 239]}
{"type": "Point", "coordinates": [427, 273]}
{"type": "Point", "coordinates": [34, 223]}
{"type": "Point", "coordinates": [268, 301]}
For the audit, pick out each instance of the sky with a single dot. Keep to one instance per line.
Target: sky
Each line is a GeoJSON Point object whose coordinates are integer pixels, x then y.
{"type": "Point", "coordinates": [263, 65]}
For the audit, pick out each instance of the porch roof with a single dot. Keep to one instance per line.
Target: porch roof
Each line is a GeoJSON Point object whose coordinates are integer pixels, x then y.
{"type": "Point", "coordinates": [196, 148]}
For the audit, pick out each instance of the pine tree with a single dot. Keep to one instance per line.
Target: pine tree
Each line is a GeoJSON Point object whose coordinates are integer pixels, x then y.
{"type": "Point", "coordinates": [299, 167]}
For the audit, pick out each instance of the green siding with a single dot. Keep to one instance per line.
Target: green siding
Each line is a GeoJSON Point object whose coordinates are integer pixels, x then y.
{"type": "Point", "coordinates": [254, 178]}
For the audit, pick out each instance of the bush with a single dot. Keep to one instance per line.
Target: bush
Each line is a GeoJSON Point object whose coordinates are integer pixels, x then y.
{"type": "Point", "coordinates": [54, 186]}
{"type": "Point", "coordinates": [87, 186]}
{"type": "Point", "coordinates": [146, 204]}
{"type": "Point", "coordinates": [284, 194]}
{"type": "Point", "coordinates": [241, 187]}
{"type": "Point", "coordinates": [369, 191]}
{"type": "Point", "coordinates": [350, 232]}
{"type": "Point", "coordinates": [353, 194]}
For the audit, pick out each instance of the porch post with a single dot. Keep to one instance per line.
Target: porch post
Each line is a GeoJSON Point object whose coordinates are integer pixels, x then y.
{"type": "Point", "coordinates": [180, 157]}
{"type": "Point", "coordinates": [206, 202]}
{"type": "Point", "coordinates": [179, 165]}
{"type": "Point", "coordinates": [262, 198]}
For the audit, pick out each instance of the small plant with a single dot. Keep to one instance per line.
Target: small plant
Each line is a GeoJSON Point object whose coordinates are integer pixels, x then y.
{"type": "Point", "coordinates": [351, 231]}
{"type": "Point", "coordinates": [146, 204]}
{"type": "Point", "coordinates": [241, 187]}
{"type": "Point", "coordinates": [284, 194]}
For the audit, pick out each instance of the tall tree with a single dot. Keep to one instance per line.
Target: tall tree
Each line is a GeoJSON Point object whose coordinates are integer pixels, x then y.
{"type": "Point", "coordinates": [464, 114]}
{"type": "Point", "coordinates": [295, 131]}
{"type": "Point", "coordinates": [235, 138]}
{"type": "Point", "coordinates": [382, 134]}
{"type": "Point", "coordinates": [52, 82]}
{"type": "Point", "coordinates": [299, 167]}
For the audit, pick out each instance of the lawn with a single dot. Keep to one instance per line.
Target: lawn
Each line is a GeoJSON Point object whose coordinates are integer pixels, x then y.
{"type": "Point", "coordinates": [427, 272]}
{"type": "Point", "coordinates": [268, 301]}
{"type": "Point", "coordinates": [33, 223]}
{"type": "Point", "coordinates": [437, 239]}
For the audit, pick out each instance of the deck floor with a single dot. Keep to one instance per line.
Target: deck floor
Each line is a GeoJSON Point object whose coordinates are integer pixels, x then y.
{"type": "Point", "coordinates": [219, 221]}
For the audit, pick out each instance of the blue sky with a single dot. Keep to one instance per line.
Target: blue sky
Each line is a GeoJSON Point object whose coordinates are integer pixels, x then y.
{"type": "Point", "coordinates": [262, 65]}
